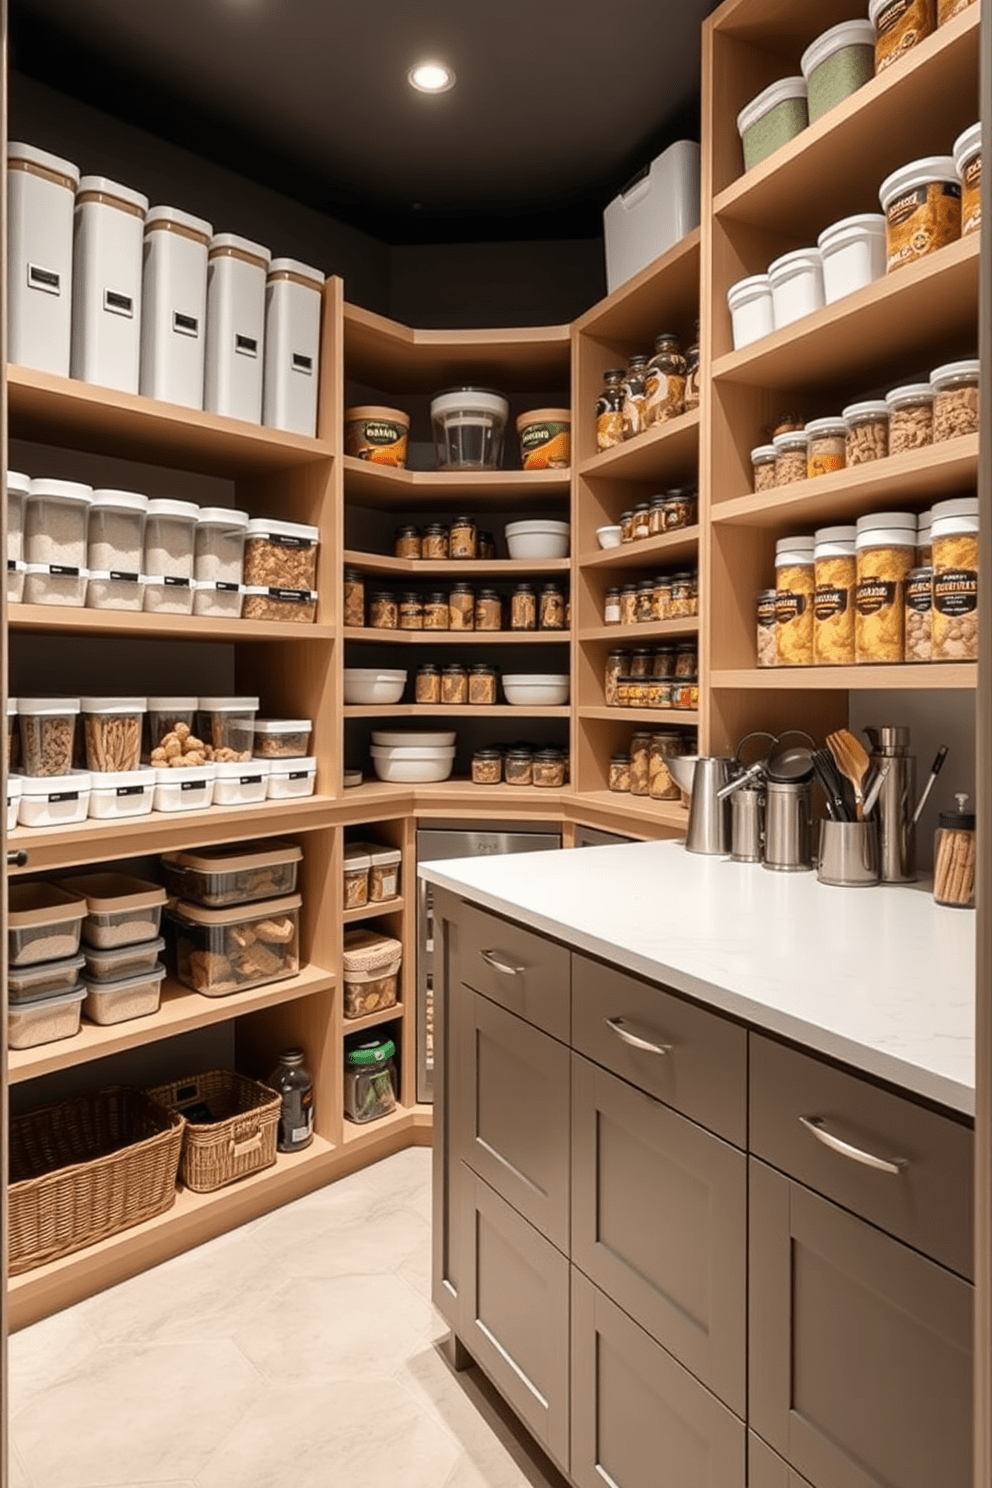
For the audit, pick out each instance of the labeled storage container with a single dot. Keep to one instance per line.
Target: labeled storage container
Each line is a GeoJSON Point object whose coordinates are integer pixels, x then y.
{"type": "Point", "coordinates": [282, 738]}
{"type": "Point", "coordinates": [227, 724]}
{"type": "Point", "coordinates": [217, 877]}
{"type": "Point", "coordinates": [123, 962]}
{"type": "Point", "coordinates": [377, 434]}
{"type": "Point", "coordinates": [56, 516]}
{"type": "Point", "coordinates": [968, 162]}
{"type": "Point", "coordinates": [918, 639]}
{"type": "Point", "coordinates": [794, 597]}
{"type": "Point", "coordinates": [292, 778]}
{"type": "Point", "coordinates": [886, 552]}
{"type": "Point", "coordinates": [54, 800]}
{"type": "Point", "coordinates": [116, 533]}
{"type": "Point", "coordinates": [955, 858]}
{"type": "Point", "coordinates": [910, 416]}
{"type": "Point", "coordinates": [775, 116]}
{"type": "Point", "coordinates": [383, 869]}
{"type": "Point", "coordinates": [107, 591]}
{"type": "Point", "coordinates": [369, 1080]}
{"type": "Point", "coordinates": [218, 599]}
{"type": "Point", "coordinates": [468, 425]}
{"type": "Point", "coordinates": [281, 555]}
{"type": "Point", "coordinates": [826, 441]}
{"type": "Point", "coordinates": [751, 313]}
{"type": "Point", "coordinates": [135, 996]}
{"type": "Point", "coordinates": [45, 1019]}
{"type": "Point", "coordinates": [219, 545]}
{"type": "Point", "coordinates": [356, 876]}
{"type": "Point", "coordinates": [236, 271]}
{"type": "Point", "coordinates": [106, 283]}
{"type": "Point", "coordinates": [899, 26]}
{"type": "Point", "coordinates": [835, 579]}
{"type": "Point", "coordinates": [41, 197]}
{"type": "Point", "coordinates": [44, 923]}
{"type": "Point", "coordinates": [52, 584]}
{"type": "Point", "coordinates": [954, 537]}
{"type": "Point", "coordinates": [370, 972]}
{"type": "Point", "coordinates": [18, 488]}
{"type": "Point", "coordinates": [121, 910]}
{"type": "Point", "coordinates": [791, 456]}
{"type": "Point", "coordinates": [168, 562]}
{"type": "Point", "coordinates": [48, 730]}
{"type": "Point", "coordinates": [174, 306]}
{"type": "Point", "coordinates": [796, 281]}
{"type": "Point", "coordinates": [545, 436]}
{"type": "Point", "coordinates": [853, 254]}
{"type": "Point", "coordinates": [114, 796]}
{"type": "Point", "coordinates": [293, 606]}
{"type": "Point", "coordinates": [232, 1124]}
{"type": "Point", "coordinates": [46, 979]}
{"type": "Point", "coordinates": [837, 64]}
{"type": "Point", "coordinates": [293, 300]}
{"type": "Point", "coordinates": [112, 728]}
{"type": "Point", "coordinates": [955, 399]}
{"type": "Point", "coordinates": [226, 950]}
{"type": "Point", "coordinates": [167, 714]}
{"type": "Point", "coordinates": [653, 212]}
{"type": "Point", "coordinates": [186, 789]}
{"type": "Point", "coordinates": [240, 784]}
{"type": "Point", "coordinates": [867, 431]}
{"type": "Point", "coordinates": [922, 206]}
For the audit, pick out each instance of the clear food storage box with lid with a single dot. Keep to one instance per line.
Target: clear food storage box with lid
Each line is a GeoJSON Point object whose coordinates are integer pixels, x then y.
{"type": "Point", "coordinates": [241, 784]}
{"type": "Point", "coordinates": [13, 800]}
{"type": "Point", "coordinates": [955, 399]}
{"type": "Point", "coordinates": [118, 794]}
{"type": "Point", "coordinates": [282, 738]}
{"type": "Point", "coordinates": [112, 729]}
{"type": "Point", "coordinates": [356, 876]}
{"type": "Point", "coordinates": [106, 590]}
{"type": "Point", "coordinates": [121, 962]}
{"type": "Point", "coordinates": [168, 558]}
{"type": "Point", "coordinates": [54, 800]}
{"type": "Point", "coordinates": [227, 724]}
{"type": "Point", "coordinates": [46, 979]}
{"type": "Point", "coordinates": [216, 877]}
{"type": "Point", "coordinates": [48, 731]}
{"type": "Point", "coordinates": [135, 996]}
{"type": "Point", "coordinates": [53, 584]}
{"type": "Point", "coordinates": [56, 515]}
{"type": "Point", "coordinates": [45, 1020]}
{"type": "Point", "coordinates": [165, 714]}
{"type": "Point", "coordinates": [384, 870]}
{"type": "Point", "coordinates": [218, 598]}
{"type": "Point", "coordinates": [370, 971]}
{"type": "Point", "coordinates": [370, 1079]}
{"type": "Point", "coordinates": [120, 908]}
{"type": "Point", "coordinates": [219, 544]}
{"type": "Point", "coordinates": [44, 923]}
{"type": "Point", "coordinates": [226, 950]}
{"type": "Point", "coordinates": [281, 555]}
{"type": "Point", "coordinates": [290, 778]}
{"type": "Point", "coordinates": [297, 606]}
{"type": "Point", "coordinates": [18, 486]}
{"type": "Point", "coordinates": [116, 533]}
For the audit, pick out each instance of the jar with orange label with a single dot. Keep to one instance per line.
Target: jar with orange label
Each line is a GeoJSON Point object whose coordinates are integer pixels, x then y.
{"type": "Point", "coordinates": [899, 26]}
{"type": "Point", "coordinates": [922, 206]}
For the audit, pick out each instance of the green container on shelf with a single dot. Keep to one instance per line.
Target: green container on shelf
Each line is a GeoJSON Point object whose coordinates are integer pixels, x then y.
{"type": "Point", "coordinates": [772, 119]}
{"type": "Point", "coordinates": [837, 64]}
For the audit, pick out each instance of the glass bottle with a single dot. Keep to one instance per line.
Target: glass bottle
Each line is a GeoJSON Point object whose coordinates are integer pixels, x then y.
{"type": "Point", "coordinates": [634, 396]}
{"type": "Point", "coordinates": [523, 608]}
{"type": "Point", "coordinates": [954, 857]}
{"type": "Point", "coordinates": [294, 1083]}
{"type": "Point", "coordinates": [665, 381]}
{"type": "Point", "coordinates": [609, 410]}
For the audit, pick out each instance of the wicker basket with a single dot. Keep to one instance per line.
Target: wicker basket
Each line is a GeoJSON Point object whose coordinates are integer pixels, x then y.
{"type": "Point", "coordinates": [86, 1168]}
{"type": "Point", "coordinates": [232, 1124]}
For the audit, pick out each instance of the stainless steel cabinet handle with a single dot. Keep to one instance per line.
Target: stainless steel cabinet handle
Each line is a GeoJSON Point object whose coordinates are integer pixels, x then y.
{"type": "Point", "coordinates": [815, 1125]}
{"type": "Point", "coordinates": [493, 959]}
{"type": "Point", "coordinates": [17, 858]}
{"type": "Point", "coordinates": [625, 1031]}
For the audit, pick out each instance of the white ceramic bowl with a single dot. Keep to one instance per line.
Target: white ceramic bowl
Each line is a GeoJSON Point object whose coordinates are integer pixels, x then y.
{"type": "Point", "coordinates": [412, 771]}
{"type": "Point", "coordinates": [412, 751]}
{"type": "Point", "coordinates": [538, 689]}
{"type": "Point", "coordinates": [373, 685]}
{"type": "Point", "coordinates": [386, 738]}
{"type": "Point", "coordinates": [608, 537]}
{"type": "Point", "coordinates": [537, 539]}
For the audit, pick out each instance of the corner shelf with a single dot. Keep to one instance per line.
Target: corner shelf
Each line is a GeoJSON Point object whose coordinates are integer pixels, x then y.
{"type": "Point", "coordinates": [477, 490]}
{"type": "Point", "coordinates": [682, 542]}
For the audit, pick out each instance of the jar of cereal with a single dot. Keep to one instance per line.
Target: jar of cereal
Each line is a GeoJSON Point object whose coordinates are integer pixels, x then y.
{"type": "Point", "coordinates": [919, 615]}
{"type": "Point", "coordinates": [763, 458]}
{"type": "Point", "coordinates": [910, 416]}
{"type": "Point", "coordinates": [790, 456]}
{"type": "Point", "coordinates": [794, 590]}
{"type": "Point", "coordinates": [955, 399]}
{"type": "Point", "coordinates": [955, 580]}
{"type": "Point", "coordinates": [835, 571]}
{"type": "Point", "coordinates": [765, 617]}
{"type": "Point", "coordinates": [885, 547]}
{"type": "Point", "coordinates": [867, 431]}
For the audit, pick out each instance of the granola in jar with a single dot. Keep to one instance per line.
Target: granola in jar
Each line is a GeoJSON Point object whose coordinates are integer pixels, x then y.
{"type": "Point", "coordinates": [354, 597]}
{"type": "Point", "coordinates": [794, 590]}
{"type": "Point", "coordinates": [523, 608]}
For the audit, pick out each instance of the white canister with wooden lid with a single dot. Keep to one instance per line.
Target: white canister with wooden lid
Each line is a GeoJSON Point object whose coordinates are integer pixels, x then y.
{"type": "Point", "coordinates": [41, 194]}
{"type": "Point", "coordinates": [236, 270]}
{"type": "Point", "coordinates": [106, 283]}
{"type": "Point", "coordinates": [174, 308]}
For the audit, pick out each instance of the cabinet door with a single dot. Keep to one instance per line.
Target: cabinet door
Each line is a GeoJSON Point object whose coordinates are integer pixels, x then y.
{"type": "Point", "coordinates": [520, 970]}
{"type": "Point", "coordinates": [512, 1110]}
{"type": "Point", "coordinates": [638, 1419]}
{"type": "Point", "coordinates": [448, 1201]}
{"type": "Point", "coordinates": [659, 1222]}
{"type": "Point", "coordinates": [860, 1348]}
{"type": "Point", "coordinates": [515, 1291]}
{"type": "Point", "coordinates": [765, 1468]}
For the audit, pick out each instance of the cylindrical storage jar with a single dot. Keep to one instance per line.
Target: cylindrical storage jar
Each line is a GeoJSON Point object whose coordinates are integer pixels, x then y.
{"type": "Point", "coordinates": [886, 552]}
{"type": "Point", "coordinates": [549, 769]}
{"type": "Point", "coordinates": [794, 597]}
{"type": "Point", "coordinates": [634, 396]}
{"type": "Point", "coordinates": [767, 644]}
{"type": "Point", "coordinates": [482, 684]}
{"type": "Point", "coordinates": [853, 253]}
{"type": "Point", "coordinates": [910, 416]}
{"type": "Point", "coordinates": [112, 731]}
{"type": "Point", "coordinates": [618, 778]}
{"type": "Point", "coordinates": [41, 195]}
{"type": "Point", "coordinates": [454, 685]}
{"type": "Point", "coordinates": [435, 542]}
{"type": "Point", "coordinates": [354, 597]}
{"type": "Point", "coordinates": [116, 533]}
{"type": "Point", "coordinates": [370, 1082]}
{"type": "Point", "coordinates": [835, 577]}
{"type": "Point", "coordinates": [825, 447]}
{"type": "Point", "coordinates": [617, 665]}
{"type": "Point", "coordinates": [411, 611]}
{"type": "Point", "coordinates": [924, 539]}
{"type": "Point", "coordinates": [54, 583]}
{"type": "Point", "coordinates": [867, 431]}
{"type": "Point", "coordinates": [611, 607]}
{"type": "Point", "coordinates": [461, 607]}
{"type": "Point", "coordinates": [790, 456]}
{"type": "Point", "coordinates": [377, 434]}
{"type": "Point", "coordinates": [436, 611]}
{"type": "Point", "coordinates": [751, 313]}
{"type": "Point", "coordinates": [487, 766]}
{"type": "Point", "coordinates": [955, 858]}
{"type": "Point", "coordinates": [294, 1083]}
{"type": "Point", "coordinates": [219, 545]}
{"type": "Point", "coordinates": [918, 639]}
{"type": "Point", "coordinates": [661, 784]}
{"type": "Point", "coordinates": [968, 160]}
{"type": "Point", "coordinates": [775, 116]}
{"type": "Point", "coordinates": [406, 541]}
{"type": "Point", "coordinates": [523, 608]}
{"type": "Point", "coordinates": [488, 610]}
{"type": "Point", "coordinates": [796, 281]}
{"type": "Point", "coordinates": [519, 766]}
{"type": "Point", "coordinates": [293, 300]}
{"type": "Point", "coordinates": [427, 686]}
{"type": "Point", "coordinates": [641, 522]}
{"type": "Point", "coordinates": [468, 426]}
{"type": "Point", "coordinates": [236, 273]}
{"type": "Point", "coordinates": [665, 381]}
{"type": "Point", "coordinates": [640, 764]}
{"type": "Point", "coordinates": [168, 560]}
{"type": "Point", "coordinates": [545, 436]}
{"type": "Point", "coordinates": [18, 487]}
{"type": "Point", "coordinates": [763, 459]}
{"type": "Point", "coordinates": [106, 283]}
{"type": "Point", "coordinates": [837, 64]}
{"type": "Point", "coordinates": [922, 206]}
{"type": "Point", "coordinates": [174, 306]}
{"type": "Point", "coordinates": [899, 25]}
{"type": "Point", "coordinates": [955, 399]}
{"type": "Point", "coordinates": [955, 579]}
{"type": "Point", "coordinates": [462, 537]}
{"type": "Point", "coordinates": [281, 555]}
{"type": "Point", "coordinates": [56, 517]}
{"type": "Point", "coordinates": [384, 610]}
{"type": "Point", "coordinates": [551, 608]}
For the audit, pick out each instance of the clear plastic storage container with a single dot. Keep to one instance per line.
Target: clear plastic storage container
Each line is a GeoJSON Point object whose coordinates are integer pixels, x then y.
{"type": "Point", "coordinates": [135, 996]}
{"type": "Point", "coordinates": [112, 728]}
{"type": "Point", "coordinates": [105, 590]}
{"type": "Point", "coordinates": [297, 606]}
{"type": "Point", "coordinates": [48, 731]}
{"type": "Point", "coordinates": [282, 738]}
{"type": "Point", "coordinates": [910, 416]}
{"type": "Point", "coordinates": [370, 1080]}
{"type": "Point", "coordinates": [121, 910]}
{"type": "Point", "coordinates": [123, 962]}
{"type": "Point", "coordinates": [56, 515]}
{"type": "Point", "coordinates": [370, 971]}
{"type": "Point", "coordinates": [241, 784]}
{"type": "Point", "coordinates": [226, 950]}
{"type": "Point", "coordinates": [54, 800]}
{"type": "Point", "coordinates": [217, 598]}
{"type": "Point", "coordinates": [166, 713]}
{"type": "Point", "coordinates": [469, 424]}
{"type": "Point", "coordinates": [216, 877]}
{"type": "Point", "coordinates": [168, 561]}
{"type": "Point", "coordinates": [18, 488]}
{"type": "Point", "coordinates": [41, 196]}
{"type": "Point", "coordinates": [44, 923]}
{"type": "Point", "coordinates": [46, 979]}
{"type": "Point", "coordinates": [955, 399]}
{"type": "Point", "coordinates": [115, 795]}
{"type": "Point", "coordinates": [227, 724]}
{"type": "Point", "coordinates": [292, 778]}
{"type": "Point", "coordinates": [116, 533]}
{"type": "Point", "coordinates": [356, 876]}
{"type": "Point", "coordinates": [281, 555]}
{"type": "Point", "coordinates": [46, 1020]}
{"type": "Point", "coordinates": [219, 544]}
{"type": "Point", "coordinates": [51, 584]}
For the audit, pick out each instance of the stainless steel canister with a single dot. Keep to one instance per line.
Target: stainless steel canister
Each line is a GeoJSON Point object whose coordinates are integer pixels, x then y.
{"type": "Point", "coordinates": [788, 827]}
{"type": "Point", "coordinates": [896, 803]}
{"type": "Point", "coordinates": [746, 827]}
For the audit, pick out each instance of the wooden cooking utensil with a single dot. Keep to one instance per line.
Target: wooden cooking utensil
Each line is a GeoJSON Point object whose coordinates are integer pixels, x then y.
{"type": "Point", "coordinates": [853, 761]}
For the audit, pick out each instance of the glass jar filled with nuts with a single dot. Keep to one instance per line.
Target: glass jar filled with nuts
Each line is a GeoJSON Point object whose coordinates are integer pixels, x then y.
{"type": "Point", "coordinates": [487, 766]}
{"type": "Point", "coordinates": [867, 432]}
{"type": "Point", "coordinates": [519, 766]}
{"type": "Point", "coordinates": [406, 541]}
{"type": "Point", "coordinates": [436, 611]}
{"type": "Point", "coordinates": [955, 400]}
{"type": "Point", "coordinates": [384, 612]}
{"type": "Point", "coordinates": [910, 417]}
{"type": "Point", "coordinates": [434, 542]}
{"type": "Point", "coordinates": [482, 684]}
{"type": "Point", "coordinates": [411, 612]}
{"type": "Point", "coordinates": [354, 597]}
{"type": "Point", "coordinates": [552, 608]}
{"type": "Point", "coordinates": [428, 684]}
{"type": "Point", "coordinates": [454, 685]}
{"type": "Point", "coordinates": [462, 538]}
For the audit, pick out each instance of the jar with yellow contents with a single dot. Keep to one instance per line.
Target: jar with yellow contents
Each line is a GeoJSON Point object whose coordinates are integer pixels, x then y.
{"type": "Point", "coordinates": [794, 592]}
{"type": "Point", "coordinates": [835, 576]}
{"type": "Point", "coordinates": [885, 547]}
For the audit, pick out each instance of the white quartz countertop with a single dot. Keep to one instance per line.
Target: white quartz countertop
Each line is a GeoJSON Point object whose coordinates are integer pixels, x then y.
{"type": "Point", "coordinates": [880, 978]}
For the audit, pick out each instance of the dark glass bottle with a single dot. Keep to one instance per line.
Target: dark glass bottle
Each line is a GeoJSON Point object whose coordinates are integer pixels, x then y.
{"type": "Point", "coordinates": [294, 1082]}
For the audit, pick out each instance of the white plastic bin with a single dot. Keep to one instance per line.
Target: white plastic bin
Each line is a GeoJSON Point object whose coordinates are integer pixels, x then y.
{"type": "Point", "coordinates": [219, 544]}
{"type": "Point", "coordinates": [293, 300]}
{"type": "Point", "coordinates": [241, 784]}
{"type": "Point", "coordinates": [184, 790]}
{"type": "Point", "coordinates": [853, 254]}
{"type": "Point", "coordinates": [54, 584]}
{"type": "Point", "coordinates": [796, 280]}
{"type": "Point", "coordinates": [168, 562]}
{"type": "Point", "coordinates": [41, 194]}
{"type": "Point", "coordinates": [289, 778]}
{"type": "Point", "coordinates": [653, 212]}
{"type": "Point", "coordinates": [56, 516]}
{"type": "Point", "coordinates": [54, 800]}
{"type": "Point", "coordinates": [13, 800]}
{"type": "Point", "coordinates": [106, 283]}
{"type": "Point", "coordinates": [116, 533]}
{"type": "Point", "coordinates": [236, 273]}
{"type": "Point", "coordinates": [174, 306]}
{"type": "Point", "coordinates": [116, 794]}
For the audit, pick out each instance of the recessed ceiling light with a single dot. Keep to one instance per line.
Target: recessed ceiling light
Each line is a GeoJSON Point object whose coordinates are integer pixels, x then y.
{"type": "Point", "coordinates": [431, 77]}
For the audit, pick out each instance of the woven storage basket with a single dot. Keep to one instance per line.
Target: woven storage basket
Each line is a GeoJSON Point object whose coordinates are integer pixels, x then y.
{"type": "Point", "coordinates": [231, 1128]}
{"type": "Point", "coordinates": [86, 1168]}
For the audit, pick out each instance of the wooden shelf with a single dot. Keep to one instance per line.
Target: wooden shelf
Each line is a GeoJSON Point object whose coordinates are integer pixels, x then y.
{"type": "Point", "coordinates": [458, 797]}
{"type": "Point", "coordinates": [396, 358]}
{"type": "Point", "coordinates": [372, 911]}
{"type": "Point", "coordinates": [87, 417]}
{"type": "Point", "coordinates": [672, 446]}
{"type": "Point", "coordinates": [888, 322]}
{"type": "Point", "coordinates": [66, 619]}
{"type": "Point", "coordinates": [180, 1012]}
{"type": "Point", "coordinates": [655, 630]}
{"type": "Point", "coordinates": [915, 476]}
{"type": "Point", "coordinates": [660, 717]}
{"type": "Point", "coordinates": [467, 710]}
{"type": "Point", "coordinates": [635, 809]}
{"type": "Point", "coordinates": [478, 490]}
{"type": "Point", "coordinates": [483, 568]}
{"type": "Point", "coordinates": [369, 1134]}
{"type": "Point", "coordinates": [667, 547]}
{"type": "Point", "coordinates": [373, 1020]}
{"type": "Point", "coordinates": [937, 676]}
{"type": "Point", "coordinates": [457, 637]}
{"type": "Point", "coordinates": [647, 299]}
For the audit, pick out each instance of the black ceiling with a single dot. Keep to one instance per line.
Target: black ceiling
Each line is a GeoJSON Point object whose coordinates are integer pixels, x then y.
{"type": "Point", "coordinates": [557, 102]}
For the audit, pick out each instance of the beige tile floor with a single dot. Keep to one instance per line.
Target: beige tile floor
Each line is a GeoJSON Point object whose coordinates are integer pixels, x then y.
{"type": "Point", "coordinates": [300, 1351]}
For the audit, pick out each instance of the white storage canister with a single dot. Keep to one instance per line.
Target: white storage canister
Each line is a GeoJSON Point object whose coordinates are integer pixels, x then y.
{"type": "Point", "coordinates": [797, 285]}
{"type": "Point", "coordinates": [236, 270]}
{"type": "Point", "coordinates": [174, 306]}
{"type": "Point", "coordinates": [56, 516]}
{"type": "Point", "coordinates": [106, 279]}
{"type": "Point", "coordinates": [751, 314]}
{"type": "Point", "coordinates": [116, 533]}
{"type": "Point", "coordinates": [292, 777]}
{"type": "Point", "coordinates": [777, 115]}
{"type": "Point", "coordinates": [240, 784]}
{"type": "Point", "coordinates": [54, 800]}
{"type": "Point", "coordinates": [13, 800]}
{"type": "Point", "coordinates": [41, 194]}
{"type": "Point", "coordinates": [18, 487]}
{"type": "Point", "coordinates": [115, 794]}
{"type": "Point", "coordinates": [168, 562]}
{"type": "Point", "coordinates": [293, 300]}
{"type": "Point", "coordinates": [853, 254]}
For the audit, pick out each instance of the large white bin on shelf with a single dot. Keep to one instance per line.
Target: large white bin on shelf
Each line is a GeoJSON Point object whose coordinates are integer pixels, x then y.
{"type": "Point", "coordinates": [235, 327]}
{"type": "Point", "coordinates": [174, 308]}
{"type": "Point", "coordinates": [41, 194]}
{"type": "Point", "coordinates": [293, 298]}
{"type": "Point", "coordinates": [658, 208]}
{"type": "Point", "coordinates": [106, 283]}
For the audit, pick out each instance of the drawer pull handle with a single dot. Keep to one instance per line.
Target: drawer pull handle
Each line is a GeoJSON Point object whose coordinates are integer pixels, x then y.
{"type": "Point", "coordinates": [814, 1124]}
{"type": "Point", "coordinates": [625, 1031]}
{"type": "Point", "coordinates": [493, 959]}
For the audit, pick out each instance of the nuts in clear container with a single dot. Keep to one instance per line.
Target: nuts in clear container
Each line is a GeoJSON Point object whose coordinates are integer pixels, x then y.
{"type": "Point", "coordinates": [229, 725]}
{"type": "Point", "coordinates": [767, 645]}
{"type": "Point", "coordinates": [867, 436]}
{"type": "Point", "coordinates": [790, 456]}
{"type": "Point", "coordinates": [919, 615]}
{"type": "Point", "coordinates": [910, 417]}
{"type": "Point", "coordinates": [763, 461]}
{"type": "Point", "coordinates": [835, 578]}
{"type": "Point", "coordinates": [354, 597]}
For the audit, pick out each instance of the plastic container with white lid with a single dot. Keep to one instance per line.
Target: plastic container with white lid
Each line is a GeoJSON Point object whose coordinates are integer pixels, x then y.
{"type": "Point", "coordinates": [225, 950]}
{"type": "Point", "coordinates": [469, 424]}
{"type": "Point", "coordinates": [164, 713]}
{"type": "Point", "coordinates": [240, 873]}
{"type": "Point", "coordinates": [910, 416]}
{"type": "Point", "coordinates": [166, 596]}
{"type": "Point", "coordinates": [219, 544]}
{"type": "Point", "coordinates": [123, 961]}
{"type": "Point", "coordinates": [218, 599]}
{"type": "Point", "coordinates": [136, 996]}
{"type": "Point", "coordinates": [384, 876]}
{"type": "Point", "coordinates": [825, 446]}
{"type": "Point", "coordinates": [13, 800]}
{"type": "Point", "coordinates": [853, 254]}
{"type": "Point", "coordinates": [116, 532]}
{"type": "Point", "coordinates": [955, 399]}
{"type": "Point", "coordinates": [106, 283]}
{"type": "Point", "coordinates": [46, 1020]}
{"type": "Point", "coordinates": [56, 514]}
{"type": "Point", "coordinates": [293, 606]}
{"type": "Point", "coordinates": [877, 521]}
{"type": "Point", "coordinates": [796, 281]}
{"type": "Point", "coordinates": [357, 863]}
{"type": "Point", "coordinates": [290, 778]}
{"type": "Point", "coordinates": [18, 487]}
{"type": "Point", "coordinates": [15, 581]}
{"type": "Point", "coordinates": [293, 301]}
{"type": "Point", "coordinates": [240, 784]}
{"type": "Point", "coordinates": [189, 789]}
{"type": "Point", "coordinates": [168, 553]}
{"type": "Point", "coordinates": [775, 116]}
{"type": "Point", "coordinates": [236, 274]}
{"type": "Point", "coordinates": [922, 206]}
{"type": "Point", "coordinates": [48, 730]}
{"type": "Point", "coordinates": [41, 196]}
{"type": "Point", "coordinates": [112, 727]}
{"type": "Point", "coordinates": [121, 909]}
{"type": "Point", "coordinates": [837, 64]}
{"type": "Point", "coordinates": [116, 794]}
{"type": "Point", "coordinates": [54, 800]}
{"type": "Point", "coordinates": [968, 160]}
{"type": "Point", "coordinates": [227, 724]}
{"type": "Point", "coordinates": [44, 923]}
{"type": "Point", "coordinates": [281, 555]}
{"type": "Point", "coordinates": [282, 738]}
{"type": "Point", "coordinates": [174, 308]}
{"type": "Point", "coordinates": [55, 584]}
{"type": "Point", "coordinates": [45, 979]}
{"type": "Point", "coordinates": [867, 426]}
{"type": "Point", "coordinates": [751, 314]}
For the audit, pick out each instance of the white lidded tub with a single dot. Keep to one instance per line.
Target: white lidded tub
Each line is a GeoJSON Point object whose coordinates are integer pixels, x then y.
{"type": "Point", "coordinates": [289, 778]}
{"type": "Point", "coordinates": [185, 789]}
{"type": "Point", "coordinates": [797, 285]}
{"type": "Point", "coordinates": [751, 314]}
{"type": "Point", "coordinates": [41, 195]}
{"type": "Point", "coordinates": [293, 300]}
{"type": "Point", "coordinates": [174, 308]}
{"type": "Point", "coordinates": [236, 271]}
{"type": "Point", "coordinates": [116, 794]}
{"type": "Point", "coordinates": [106, 283]}
{"type": "Point", "coordinates": [853, 254]}
{"type": "Point", "coordinates": [54, 800]}
{"type": "Point", "coordinates": [241, 784]}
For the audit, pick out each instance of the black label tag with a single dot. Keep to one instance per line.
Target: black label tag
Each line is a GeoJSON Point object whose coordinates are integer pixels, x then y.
{"type": "Point", "coordinates": [124, 577]}
{"type": "Point", "coordinates": [63, 570]}
{"type": "Point", "coordinates": [173, 580]}
{"type": "Point", "coordinates": [130, 790]}
{"type": "Point", "coordinates": [192, 785]}
{"type": "Point", "coordinates": [63, 796]}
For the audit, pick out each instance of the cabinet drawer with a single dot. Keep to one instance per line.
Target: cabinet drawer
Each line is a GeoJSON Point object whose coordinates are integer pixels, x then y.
{"type": "Point", "coordinates": [928, 1202]}
{"type": "Point", "coordinates": [516, 968]}
{"type": "Point", "coordinates": [765, 1468]}
{"type": "Point", "coordinates": [638, 1419]}
{"type": "Point", "coordinates": [702, 1067]}
{"type": "Point", "coordinates": [512, 1110]}
{"type": "Point", "coordinates": [516, 1318]}
{"type": "Point", "coordinates": [659, 1223]}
